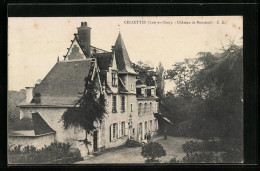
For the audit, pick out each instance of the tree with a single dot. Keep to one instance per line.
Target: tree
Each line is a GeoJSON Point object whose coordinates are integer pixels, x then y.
{"type": "Point", "coordinates": [182, 74]}
{"type": "Point", "coordinates": [160, 81]}
{"type": "Point", "coordinates": [88, 110]}
{"type": "Point", "coordinates": [221, 83]}
{"type": "Point", "coordinates": [151, 151]}
{"type": "Point", "coordinates": [208, 99]}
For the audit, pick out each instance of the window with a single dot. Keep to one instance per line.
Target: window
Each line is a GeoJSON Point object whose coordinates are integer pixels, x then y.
{"type": "Point", "coordinates": [138, 91]}
{"type": "Point", "coordinates": [156, 106]}
{"type": "Point", "coordinates": [148, 108]}
{"type": "Point", "coordinates": [149, 93]}
{"type": "Point", "coordinates": [122, 103]}
{"type": "Point", "coordinates": [114, 79]}
{"type": "Point", "coordinates": [151, 107]}
{"type": "Point", "coordinates": [114, 131]}
{"type": "Point", "coordinates": [133, 131]}
{"type": "Point", "coordinates": [139, 108]}
{"type": "Point", "coordinates": [131, 87]}
{"type": "Point", "coordinates": [155, 124]}
{"type": "Point", "coordinates": [151, 125]}
{"type": "Point", "coordinates": [131, 106]}
{"type": "Point", "coordinates": [122, 128]}
{"type": "Point", "coordinates": [145, 107]}
{"type": "Point", "coordinates": [145, 127]}
{"type": "Point", "coordinates": [114, 104]}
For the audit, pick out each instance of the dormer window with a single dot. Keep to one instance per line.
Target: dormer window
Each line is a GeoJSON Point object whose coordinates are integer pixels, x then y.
{"type": "Point", "coordinates": [148, 91]}
{"type": "Point", "coordinates": [138, 91]}
{"type": "Point", "coordinates": [114, 79]}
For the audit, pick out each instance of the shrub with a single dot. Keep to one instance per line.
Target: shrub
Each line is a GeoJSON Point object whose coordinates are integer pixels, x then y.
{"type": "Point", "coordinates": [174, 160]}
{"type": "Point", "coordinates": [51, 153]}
{"type": "Point", "coordinates": [132, 143]}
{"type": "Point", "coordinates": [191, 146]}
{"type": "Point", "coordinates": [151, 151]}
{"type": "Point", "coordinates": [201, 158]}
{"type": "Point", "coordinates": [216, 146]}
{"type": "Point", "coordinates": [232, 155]}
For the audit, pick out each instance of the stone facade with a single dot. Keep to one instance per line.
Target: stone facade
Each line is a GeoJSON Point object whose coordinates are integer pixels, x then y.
{"type": "Point", "coordinates": [130, 115]}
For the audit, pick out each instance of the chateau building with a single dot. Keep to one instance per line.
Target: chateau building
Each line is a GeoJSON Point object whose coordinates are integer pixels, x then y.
{"type": "Point", "coordinates": [131, 99]}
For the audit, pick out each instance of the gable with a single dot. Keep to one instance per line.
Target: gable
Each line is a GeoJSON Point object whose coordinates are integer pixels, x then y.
{"type": "Point", "coordinates": [75, 52]}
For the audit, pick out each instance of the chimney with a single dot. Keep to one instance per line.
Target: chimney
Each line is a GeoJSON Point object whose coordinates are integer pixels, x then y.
{"type": "Point", "coordinates": [29, 94]}
{"type": "Point", "coordinates": [84, 37]}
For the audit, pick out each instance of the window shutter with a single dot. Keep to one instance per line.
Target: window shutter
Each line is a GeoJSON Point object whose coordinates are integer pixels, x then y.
{"type": "Point", "coordinates": [119, 130]}
{"type": "Point", "coordinates": [137, 132]}
{"type": "Point", "coordinates": [126, 128]}
{"type": "Point", "coordinates": [111, 131]}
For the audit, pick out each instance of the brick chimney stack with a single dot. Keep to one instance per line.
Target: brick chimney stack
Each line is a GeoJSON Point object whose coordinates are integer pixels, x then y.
{"type": "Point", "coordinates": [84, 37]}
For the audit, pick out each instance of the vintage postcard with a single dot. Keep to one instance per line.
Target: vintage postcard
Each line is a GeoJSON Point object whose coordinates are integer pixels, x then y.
{"type": "Point", "coordinates": [125, 90]}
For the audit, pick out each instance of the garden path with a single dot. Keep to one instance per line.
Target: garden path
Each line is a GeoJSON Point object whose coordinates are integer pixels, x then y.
{"type": "Point", "coordinates": [173, 147]}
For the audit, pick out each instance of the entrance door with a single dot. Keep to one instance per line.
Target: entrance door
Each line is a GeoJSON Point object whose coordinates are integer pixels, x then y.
{"type": "Point", "coordinates": [95, 137]}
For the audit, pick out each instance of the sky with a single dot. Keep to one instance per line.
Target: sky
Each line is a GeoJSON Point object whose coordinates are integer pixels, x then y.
{"type": "Point", "coordinates": [34, 44]}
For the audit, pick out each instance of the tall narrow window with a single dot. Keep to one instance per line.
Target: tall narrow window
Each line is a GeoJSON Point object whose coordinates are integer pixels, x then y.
{"type": "Point", "coordinates": [131, 106]}
{"type": "Point", "coordinates": [148, 108]}
{"type": "Point", "coordinates": [131, 87]}
{"type": "Point", "coordinates": [145, 127]}
{"type": "Point", "coordinates": [145, 107]}
{"type": "Point", "coordinates": [122, 128]}
{"type": "Point", "coordinates": [139, 108]}
{"type": "Point", "coordinates": [155, 124]}
{"type": "Point", "coordinates": [122, 103]}
{"type": "Point", "coordinates": [148, 91]}
{"type": "Point", "coordinates": [114, 79]}
{"type": "Point", "coordinates": [114, 130]}
{"type": "Point", "coordinates": [138, 91]}
{"type": "Point", "coordinates": [114, 104]}
{"type": "Point", "coordinates": [151, 107]}
{"type": "Point", "coordinates": [151, 125]}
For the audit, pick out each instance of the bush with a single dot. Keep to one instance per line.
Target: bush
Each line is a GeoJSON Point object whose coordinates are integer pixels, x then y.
{"type": "Point", "coordinates": [232, 155]}
{"type": "Point", "coordinates": [216, 146]}
{"type": "Point", "coordinates": [151, 151]}
{"type": "Point", "coordinates": [191, 146]}
{"type": "Point", "coordinates": [132, 143]}
{"type": "Point", "coordinates": [201, 158]}
{"type": "Point", "coordinates": [53, 152]}
{"type": "Point", "coordinates": [198, 158]}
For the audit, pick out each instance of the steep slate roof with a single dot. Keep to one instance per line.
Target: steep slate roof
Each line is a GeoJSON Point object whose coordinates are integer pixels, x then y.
{"type": "Point", "coordinates": [139, 82]}
{"type": "Point", "coordinates": [63, 83]}
{"type": "Point", "coordinates": [104, 60]}
{"type": "Point", "coordinates": [146, 80]}
{"type": "Point", "coordinates": [122, 59]}
{"type": "Point", "coordinates": [34, 126]}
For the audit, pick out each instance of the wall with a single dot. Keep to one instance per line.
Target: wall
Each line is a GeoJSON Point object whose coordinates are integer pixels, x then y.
{"type": "Point", "coordinates": [115, 118]}
{"type": "Point", "coordinates": [36, 141]}
{"type": "Point", "coordinates": [148, 116]}
{"type": "Point", "coordinates": [53, 117]}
